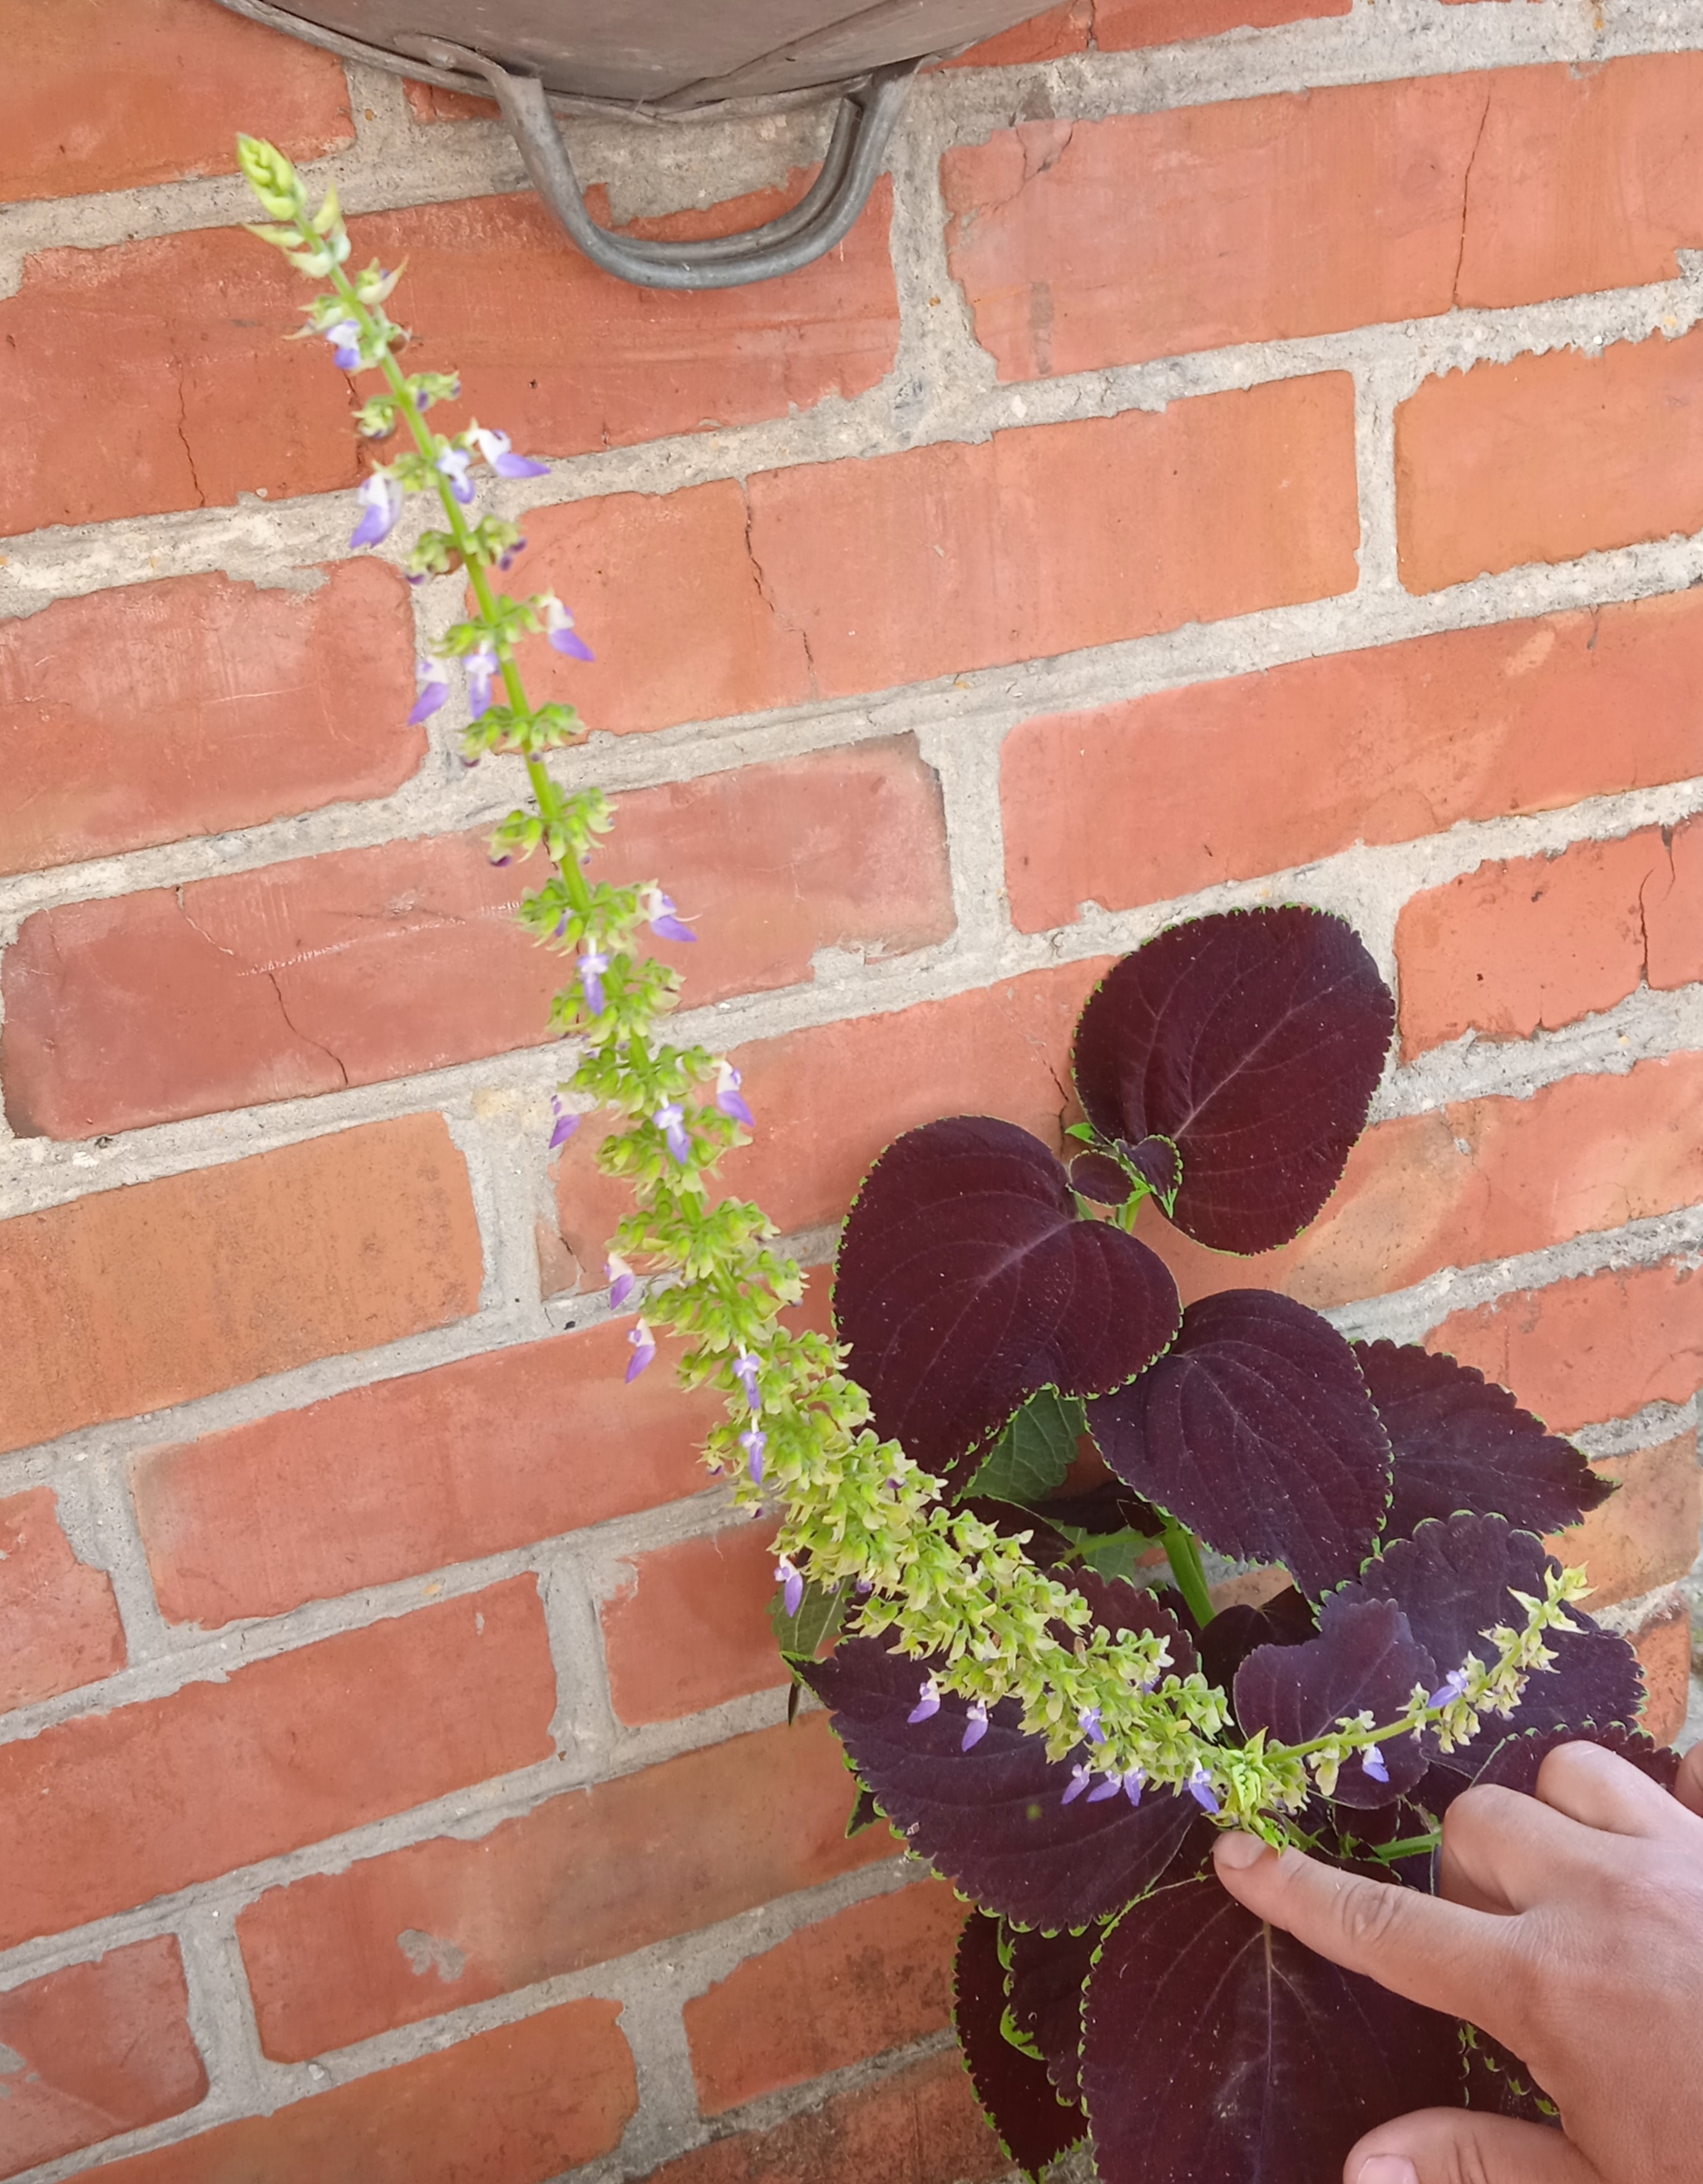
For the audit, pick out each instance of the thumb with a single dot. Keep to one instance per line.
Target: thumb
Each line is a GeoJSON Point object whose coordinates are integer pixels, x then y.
{"type": "Point", "coordinates": [1454, 2146]}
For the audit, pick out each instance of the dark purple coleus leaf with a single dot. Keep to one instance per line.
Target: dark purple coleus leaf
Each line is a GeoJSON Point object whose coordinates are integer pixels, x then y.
{"type": "Point", "coordinates": [1364, 1659]}
{"type": "Point", "coordinates": [1035, 2126]}
{"type": "Point", "coordinates": [1216, 2047]}
{"type": "Point", "coordinates": [1099, 1176]}
{"type": "Point", "coordinates": [1256, 1430]}
{"type": "Point", "coordinates": [1158, 1163]}
{"type": "Point", "coordinates": [1254, 1042]}
{"type": "Point", "coordinates": [1462, 1442]}
{"type": "Point", "coordinates": [1110, 1506]}
{"type": "Point", "coordinates": [1515, 1762]}
{"type": "Point", "coordinates": [1452, 1580]}
{"type": "Point", "coordinates": [965, 1282]}
{"type": "Point", "coordinates": [993, 1818]}
{"type": "Point", "coordinates": [1045, 1976]}
{"type": "Point", "coordinates": [1500, 2084]}
{"type": "Point", "coordinates": [1286, 1619]}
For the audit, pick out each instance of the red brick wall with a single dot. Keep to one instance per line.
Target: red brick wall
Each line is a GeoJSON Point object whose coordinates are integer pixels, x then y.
{"type": "Point", "coordinates": [1247, 450]}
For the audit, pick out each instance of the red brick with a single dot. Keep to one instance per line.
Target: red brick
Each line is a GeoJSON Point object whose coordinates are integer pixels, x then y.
{"type": "Point", "coordinates": [1548, 458]}
{"type": "Point", "coordinates": [132, 1299]}
{"type": "Point", "coordinates": [158, 711]}
{"type": "Point", "coordinates": [1583, 1352]}
{"type": "Point", "coordinates": [408, 1476]}
{"type": "Point", "coordinates": [198, 400]}
{"type": "Point", "coordinates": [1081, 244]}
{"type": "Point", "coordinates": [829, 1099]}
{"type": "Point", "coordinates": [1645, 1535]}
{"type": "Point", "coordinates": [367, 964]}
{"type": "Point", "coordinates": [59, 1623]}
{"type": "Point", "coordinates": [1664, 1653]}
{"type": "Point", "coordinates": [516, 2105]}
{"type": "Point", "coordinates": [1213, 507]}
{"type": "Point", "coordinates": [870, 1978]}
{"type": "Point", "coordinates": [1385, 746]}
{"type": "Point", "coordinates": [1480, 1180]}
{"type": "Point", "coordinates": [1115, 25]}
{"type": "Point", "coordinates": [920, 2126]}
{"type": "Point", "coordinates": [99, 98]}
{"type": "Point", "coordinates": [95, 2050]}
{"type": "Point", "coordinates": [578, 1880]}
{"type": "Point", "coordinates": [690, 1628]}
{"type": "Point", "coordinates": [111, 1810]}
{"type": "Point", "coordinates": [1673, 912]}
{"type": "Point", "coordinates": [1530, 944]}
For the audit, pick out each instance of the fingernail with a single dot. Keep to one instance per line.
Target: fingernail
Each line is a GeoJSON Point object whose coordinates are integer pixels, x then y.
{"type": "Point", "coordinates": [1238, 1851]}
{"type": "Point", "coordinates": [1386, 2168]}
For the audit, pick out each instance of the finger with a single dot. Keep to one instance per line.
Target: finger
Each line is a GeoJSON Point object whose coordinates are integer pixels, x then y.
{"type": "Point", "coordinates": [1434, 1953]}
{"type": "Point", "coordinates": [1442, 2146]}
{"type": "Point", "coordinates": [1688, 1789]}
{"type": "Point", "coordinates": [1504, 1852]}
{"type": "Point", "coordinates": [1604, 1791]}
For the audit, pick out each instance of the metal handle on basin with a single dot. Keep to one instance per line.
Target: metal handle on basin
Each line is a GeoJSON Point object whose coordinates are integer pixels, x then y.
{"type": "Point", "coordinates": [821, 217]}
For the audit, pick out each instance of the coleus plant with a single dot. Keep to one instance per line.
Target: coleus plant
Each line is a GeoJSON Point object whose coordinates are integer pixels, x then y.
{"type": "Point", "coordinates": [1058, 1740]}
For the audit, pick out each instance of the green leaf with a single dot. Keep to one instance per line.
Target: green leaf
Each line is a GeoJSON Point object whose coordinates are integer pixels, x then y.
{"type": "Point", "coordinates": [1030, 1459]}
{"type": "Point", "coordinates": [1115, 1554]}
{"type": "Point", "coordinates": [820, 1614]}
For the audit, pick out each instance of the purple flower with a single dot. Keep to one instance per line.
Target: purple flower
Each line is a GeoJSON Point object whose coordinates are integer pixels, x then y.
{"type": "Point", "coordinates": [1201, 1790]}
{"type": "Point", "coordinates": [976, 1724]}
{"type": "Point", "coordinates": [792, 1581]}
{"type": "Point", "coordinates": [864, 1587]}
{"type": "Point", "coordinates": [928, 1701]}
{"type": "Point", "coordinates": [592, 966]}
{"type": "Point", "coordinates": [498, 451]}
{"type": "Point", "coordinates": [745, 1372]}
{"type": "Point", "coordinates": [381, 497]}
{"type": "Point", "coordinates": [345, 337]}
{"type": "Point", "coordinates": [754, 1443]}
{"type": "Point", "coordinates": [1077, 1784]}
{"type": "Point", "coordinates": [728, 1097]}
{"type": "Point", "coordinates": [1452, 1689]}
{"type": "Point", "coordinates": [670, 1120]}
{"type": "Point", "coordinates": [565, 1124]}
{"type": "Point", "coordinates": [1108, 1787]}
{"type": "Point", "coordinates": [643, 1348]}
{"type": "Point", "coordinates": [1133, 1782]}
{"type": "Point", "coordinates": [454, 464]}
{"type": "Point", "coordinates": [481, 665]}
{"type": "Point", "coordinates": [558, 624]}
{"type": "Point", "coordinates": [432, 680]}
{"type": "Point", "coordinates": [1373, 1761]}
{"type": "Point", "coordinates": [1088, 1720]}
{"type": "Point", "coordinates": [657, 908]}
{"type": "Point", "coordinates": [623, 1281]}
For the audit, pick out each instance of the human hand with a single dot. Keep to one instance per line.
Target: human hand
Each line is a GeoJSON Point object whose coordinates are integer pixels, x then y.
{"type": "Point", "coordinates": [1570, 1926]}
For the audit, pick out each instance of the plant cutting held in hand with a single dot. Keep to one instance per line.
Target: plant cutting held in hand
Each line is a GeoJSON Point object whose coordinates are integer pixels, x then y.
{"type": "Point", "coordinates": [1058, 1743]}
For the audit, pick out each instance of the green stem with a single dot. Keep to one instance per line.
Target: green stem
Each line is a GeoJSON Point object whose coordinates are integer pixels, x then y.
{"type": "Point", "coordinates": [1408, 1847]}
{"type": "Point", "coordinates": [1184, 1551]}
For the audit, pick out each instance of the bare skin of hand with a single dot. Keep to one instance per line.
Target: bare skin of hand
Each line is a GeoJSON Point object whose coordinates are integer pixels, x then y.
{"type": "Point", "coordinates": [1570, 1925]}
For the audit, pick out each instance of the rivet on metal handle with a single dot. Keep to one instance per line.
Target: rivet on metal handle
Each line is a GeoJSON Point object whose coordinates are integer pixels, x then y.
{"type": "Point", "coordinates": [821, 217]}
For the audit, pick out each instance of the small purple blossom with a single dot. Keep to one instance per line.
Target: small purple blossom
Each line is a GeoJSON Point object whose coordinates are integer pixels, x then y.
{"type": "Point", "coordinates": [381, 500]}
{"type": "Point", "coordinates": [623, 1281]}
{"type": "Point", "coordinates": [592, 966]}
{"type": "Point", "coordinates": [498, 451]}
{"type": "Point", "coordinates": [728, 1097]}
{"type": "Point", "coordinates": [643, 1348]}
{"type": "Point", "coordinates": [432, 680]}
{"type": "Point", "coordinates": [755, 1443]}
{"type": "Point", "coordinates": [864, 1587]}
{"type": "Point", "coordinates": [345, 337]}
{"type": "Point", "coordinates": [1201, 1790]}
{"type": "Point", "coordinates": [1108, 1786]}
{"type": "Point", "coordinates": [976, 1724]}
{"type": "Point", "coordinates": [1134, 1782]}
{"type": "Point", "coordinates": [1373, 1761]}
{"type": "Point", "coordinates": [1088, 1721]}
{"type": "Point", "coordinates": [558, 624]}
{"type": "Point", "coordinates": [1077, 1784]}
{"type": "Point", "coordinates": [565, 1124]}
{"type": "Point", "coordinates": [746, 1366]}
{"type": "Point", "coordinates": [454, 464]}
{"type": "Point", "coordinates": [671, 1120]}
{"type": "Point", "coordinates": [928, 1701]}
{"type": "Point", "coordinates": [1452, 1689]}
{"type": "Point", "coordinates": [792, 1582]}
{"type": "Point", "coordinates": [482, 666]}
{"type": "Point", "coordinates": [659, 909]}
